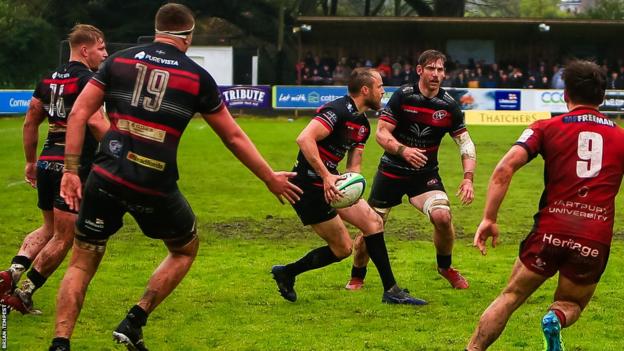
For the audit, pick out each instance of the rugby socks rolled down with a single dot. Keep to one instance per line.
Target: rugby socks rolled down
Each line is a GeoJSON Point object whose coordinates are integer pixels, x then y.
{"type": "Point", "coordinates": [358, 272]}
{"type": "Point", "coordinates": [137, 316]}
{"type": "Point", "coordinates": [317, 258]}
{"type": "Point", "coordinates": [444, 261]}
{"type": "Point", "coordinates": [36, 278]}
{"type": "Point", "coordinates": [19, 265]}
{"type": "Point", "coordinates": [376, 246]}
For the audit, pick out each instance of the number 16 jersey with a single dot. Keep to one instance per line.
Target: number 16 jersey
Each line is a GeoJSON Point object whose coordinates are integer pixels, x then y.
{"type": "Point", "coordinates": [151, 94]}
{"type": "Point", "coordinates": [583, 155]}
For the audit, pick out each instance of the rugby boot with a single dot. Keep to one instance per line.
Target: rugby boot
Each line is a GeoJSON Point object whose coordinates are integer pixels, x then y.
{"type": "Point", "coordinates": [130, 335]}
{"type": "Point", "coordinates": [456, 280]}
{"type": "Point", "coordinates": [285, 283]}
{"type": "Point", "coordinates": [398, 296]}
{"type": "Point", "coordinates": [355, 283]}
{"type": "Point", "coordinates": [14, 303]}
{"type": "Point", "coordinates": [552, 332]}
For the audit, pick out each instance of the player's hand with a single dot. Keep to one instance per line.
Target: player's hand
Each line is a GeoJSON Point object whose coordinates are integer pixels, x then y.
{"type": "Point", "coordinates": [71, 190]}
{"type": "Point", "coordinates": [330, 190]}
{"type": "Point", "coordinates": [465, 192]}
{"type": "Point", "coordinates": [487, 228]}
{"type": "Point", "coordinates": [30, 174]}
{"type": "Point", "coordinates": [280, 186]}
{"type": "Point", "coordinates": [415, 157]}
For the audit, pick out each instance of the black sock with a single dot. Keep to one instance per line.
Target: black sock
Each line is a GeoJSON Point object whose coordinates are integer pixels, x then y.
{"type": "Point", "coordinates": [36, 278]}
{"type": "Point", "coordinates": [62, 342]}
{"type": "Point", "coordinates": [358, 272]}
{"type": "Point", "coordinates": [444, 261]}
{"type": "Point", "coordinates": [376, 246]}
{"type": "Point", "coordinates": [23, 260]}
{"type": "Point", "coordinates": [317, 258]}
{"type": "Point", "coordinates": [137, 316]}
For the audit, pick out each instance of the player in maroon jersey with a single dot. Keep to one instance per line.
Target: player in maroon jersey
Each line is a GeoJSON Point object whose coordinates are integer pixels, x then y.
{"type": "Point", "coordinates": [410, 131]}
{"type": "Point", "coordinates": [340, 128]}
{"type": "Point", "coordinates": [572, 232]}
{"type": "Point", "coordinates": [151, 93]}
{"type": "Point", "coordinates": [46, 247]}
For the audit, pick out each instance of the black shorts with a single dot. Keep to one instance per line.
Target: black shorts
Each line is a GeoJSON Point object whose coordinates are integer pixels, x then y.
{"type": "Point", "coordinates": [388, 189]}
{"type": "Point", "coordinates": [49, 174]}
{"type": "Point", "coordinates": [312, 207]}
{"type": "Point", "coordinates": [104, 203]}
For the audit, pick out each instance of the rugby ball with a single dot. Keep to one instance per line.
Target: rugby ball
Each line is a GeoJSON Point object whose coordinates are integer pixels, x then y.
{"type": "Point", "coordinates": [352, 186]}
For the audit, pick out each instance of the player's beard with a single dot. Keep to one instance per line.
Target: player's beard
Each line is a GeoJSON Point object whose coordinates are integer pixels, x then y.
{"type": "Point", "coordinates": [373, 104]}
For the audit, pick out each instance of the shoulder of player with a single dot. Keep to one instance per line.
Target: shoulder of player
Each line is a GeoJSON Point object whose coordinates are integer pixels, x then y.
{"type": "Point", "coordinates": [406, 90]}
{"type": "Point", "coordinates": [447, 98]}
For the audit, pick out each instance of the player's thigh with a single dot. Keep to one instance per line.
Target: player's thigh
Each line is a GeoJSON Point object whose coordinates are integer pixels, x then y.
{"type": "Point", "coordinates": [425, 202]}
{"type": "Point", "coordinates": [334, 232]}
{"type": "Point", "coordinates": [568, 290]}
{"type": "Point", "coordinates": [387, 191]}
{"type": "Point", "coordinates": [363, 217]}
{"type": "Point", "coordinates": [523, 282]}
{"type": "Point", "coordinates": [64, 224]}
{"type": "Point", "coordinates": [168, 217]}
{"type": "Point", "coordinates": [312, 207]}
{"type": "Point", "coordinates": [101, 211]}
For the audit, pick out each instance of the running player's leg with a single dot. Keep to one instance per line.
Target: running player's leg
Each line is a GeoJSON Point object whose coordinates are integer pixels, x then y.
{"type": "Point", "coordinates": [436, 206]}
{"type": "Point", "coordinates": [522, 283]}
{"type": "Point", "coordinates": [362, 216]}
{"type": "Point", "coordinates": [360, 255]}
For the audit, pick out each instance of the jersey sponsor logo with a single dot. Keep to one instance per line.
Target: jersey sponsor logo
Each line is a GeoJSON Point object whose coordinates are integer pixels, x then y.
{"type": "Point", "coordinates": [584, 250]}
{"type": "Point", "coordinates": [415, 128]}
{"type": "Point", "coordinates": [141, 130]}
{"type": "Point", "coordinates": [579, 209]}
{"type": "Point", "coordinates": [589, 118]}
{"type": "Point", "coordinates": [440, 114]}
{"type": "Point", "coordinates": [146, 161]}
{"type": "Point", "coordinates": [143, 56]}
{"type": "Point", "coordinates": [525, 135]}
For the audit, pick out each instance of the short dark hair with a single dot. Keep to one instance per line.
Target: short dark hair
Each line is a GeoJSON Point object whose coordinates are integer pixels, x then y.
{"type": "Point", "coordinates": [585, 82]}
{"type": "Point", "coordinates": [84, 34]}
{"type": "Point", "coordinates": [174, 17]}
{"type": "Point", "coordinates": [431, 56]}
{"type": "Point", "coordinates": [361, 76]}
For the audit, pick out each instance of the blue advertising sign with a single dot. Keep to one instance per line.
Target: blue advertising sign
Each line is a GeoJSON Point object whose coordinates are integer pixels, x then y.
{"type": "Point", "coordinates": [507, 99]}
{"type": "Point", "coordinates": [14, 101]}
{"type": "Point", "coordinates": [312, 97]}
{"type": "Point", "coordinates": [247, 96]}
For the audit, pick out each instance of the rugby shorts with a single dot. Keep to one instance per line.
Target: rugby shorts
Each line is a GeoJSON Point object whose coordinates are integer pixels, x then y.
{"type": "Point", "coordinates": [581, 260]}
{"type": "Point", "coordinates": [312, 207]}
{"type": "Point", "coordinates": [389, 189]}
{"type": "Point", "coordinates": [104, 203]}
{"type": "Point", "coordinates": [49, 174]}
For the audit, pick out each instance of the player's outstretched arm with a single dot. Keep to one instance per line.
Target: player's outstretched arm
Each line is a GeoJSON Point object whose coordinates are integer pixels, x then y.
{"type": "Point", "coordinates": [88, 102]}
{"type": "Point", "coordinates": [469, 163]}
{"type": "Point", "coordinates": [313, 132]}
{"type": "Point", "coordinates": [34, 117]}
{"type": "Point", "coordinates": [415, 157]}
{"type": "Point", "coordinates": [515, 158]}
{"type": "Point", "coordinates": [241, 146]}
{"type": "Point", "coordinates": [98, 124]}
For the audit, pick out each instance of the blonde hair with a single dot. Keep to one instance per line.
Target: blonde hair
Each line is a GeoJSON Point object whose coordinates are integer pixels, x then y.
{"type": "Point", "coordinates": [84, 34]}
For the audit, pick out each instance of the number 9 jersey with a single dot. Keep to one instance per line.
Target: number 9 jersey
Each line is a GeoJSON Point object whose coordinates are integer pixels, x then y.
{"type": "Point", "coordinates": [152, 92]}
{"type": "Point", "coordinates": [583, 155]}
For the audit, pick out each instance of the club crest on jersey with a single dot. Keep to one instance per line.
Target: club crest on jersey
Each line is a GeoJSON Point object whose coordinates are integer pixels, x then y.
{"type": "Point", "coordinates": [439, 114]}
{"type": "Point", "coordinates": [362, 131]}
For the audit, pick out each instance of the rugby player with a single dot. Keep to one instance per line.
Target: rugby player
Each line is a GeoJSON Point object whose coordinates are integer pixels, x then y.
{"type": "Point", "coordinates": [339, 128]}
{"type": "Point", "coordinates": [46, 247]}
{"type": "Point", "coordinates": [151, 93]}
{"type": "Point", "coordinates": [410, 130]}
{"type": "Point", "coordinates": [572, 232]}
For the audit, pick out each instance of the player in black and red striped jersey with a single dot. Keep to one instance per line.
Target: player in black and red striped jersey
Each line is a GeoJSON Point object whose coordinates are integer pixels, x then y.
{"type": "Point", "coordinates": [46, 247]}
{"type": "Point", "coordinates": [410, 130]}
{"type": "Point", "coordinates": [151, 93]}
{"type": "Point", "coordinates": [572, 231]}
{"type": "Point", "coordinates": [340, 128]}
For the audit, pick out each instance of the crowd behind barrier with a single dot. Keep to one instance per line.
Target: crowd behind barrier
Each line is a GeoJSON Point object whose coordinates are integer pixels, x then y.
{"type": "Point", "coordinates": [326, 70]}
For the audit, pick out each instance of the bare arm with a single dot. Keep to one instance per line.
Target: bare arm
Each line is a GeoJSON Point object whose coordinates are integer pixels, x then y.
{"type": "Point", "coordinates": [98, 124]}
{"type": "Point", "coordinates": [515, 158]}
{"type": "Point", "coordinates": [34, 117]}
{"type": "Point", "coordinates": [354, 160]}
{"type": "Point", "coordinates": [313, 132]}
{"type": "Point", "coordinates": [469, 163]}
{"type": "Point", "coordinates": [88, 102]}
{"type": "Point", "coordinates": [243, 148]}
{"type": "Point", "coordinates": [415, 157]}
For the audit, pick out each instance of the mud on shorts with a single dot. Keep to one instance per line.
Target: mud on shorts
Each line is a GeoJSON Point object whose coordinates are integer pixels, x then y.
{"type": "Point", "coordinates": [312, 207]}
{"type": "Point", "coordinates": [388, 189]}
{"type": "Point", "coordinates": [104, 203]}
{"type": "Point", "coordinates": [581, 260]}
{"type": "Point", "coordinates": [49, 174]}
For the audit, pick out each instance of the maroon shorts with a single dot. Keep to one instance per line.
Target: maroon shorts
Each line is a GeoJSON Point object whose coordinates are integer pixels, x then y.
{"type": "Point", "coordinates": [581, 260]}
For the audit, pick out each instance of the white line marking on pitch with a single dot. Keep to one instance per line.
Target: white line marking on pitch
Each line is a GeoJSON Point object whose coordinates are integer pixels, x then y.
{"type": "Point", "coordinates": [16, 183]}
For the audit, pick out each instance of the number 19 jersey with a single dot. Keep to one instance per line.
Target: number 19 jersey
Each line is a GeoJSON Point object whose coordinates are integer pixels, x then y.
{"type": "Point", "coordinates": [583, 155]}
{"type": "Point", "coordinates": [151, 94]}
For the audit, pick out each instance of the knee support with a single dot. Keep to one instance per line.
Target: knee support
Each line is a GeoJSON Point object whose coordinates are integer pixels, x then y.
{"type": "Point", "coordinates": [437, 201]}
{"type": "Point", "coordinates": [85, 243]}
{"type": "Point", "coordinates": [383, 212]}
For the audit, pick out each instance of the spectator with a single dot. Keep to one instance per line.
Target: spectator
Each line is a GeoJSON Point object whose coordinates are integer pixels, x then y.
{"type": "Point", "coordinates": [384, 69]}
{"type": "Point", "coordinates": [460, 81]}
{"type": "Point", "coordinates": [557, 80]}
{"type": "Point", "coordinates": [396, 79]}
{"type": "Point", "coordinates": [408, 76]}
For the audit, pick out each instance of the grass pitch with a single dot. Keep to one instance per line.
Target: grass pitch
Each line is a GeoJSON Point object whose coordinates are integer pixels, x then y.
{"type": "Point", "coordinates": [228, 301]}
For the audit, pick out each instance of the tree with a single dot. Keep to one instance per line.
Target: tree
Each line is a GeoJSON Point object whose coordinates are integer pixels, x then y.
{"type": "Point", "coordinates": [541, 9]}
{"type": "Point", "coordinates": [607, 9]}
